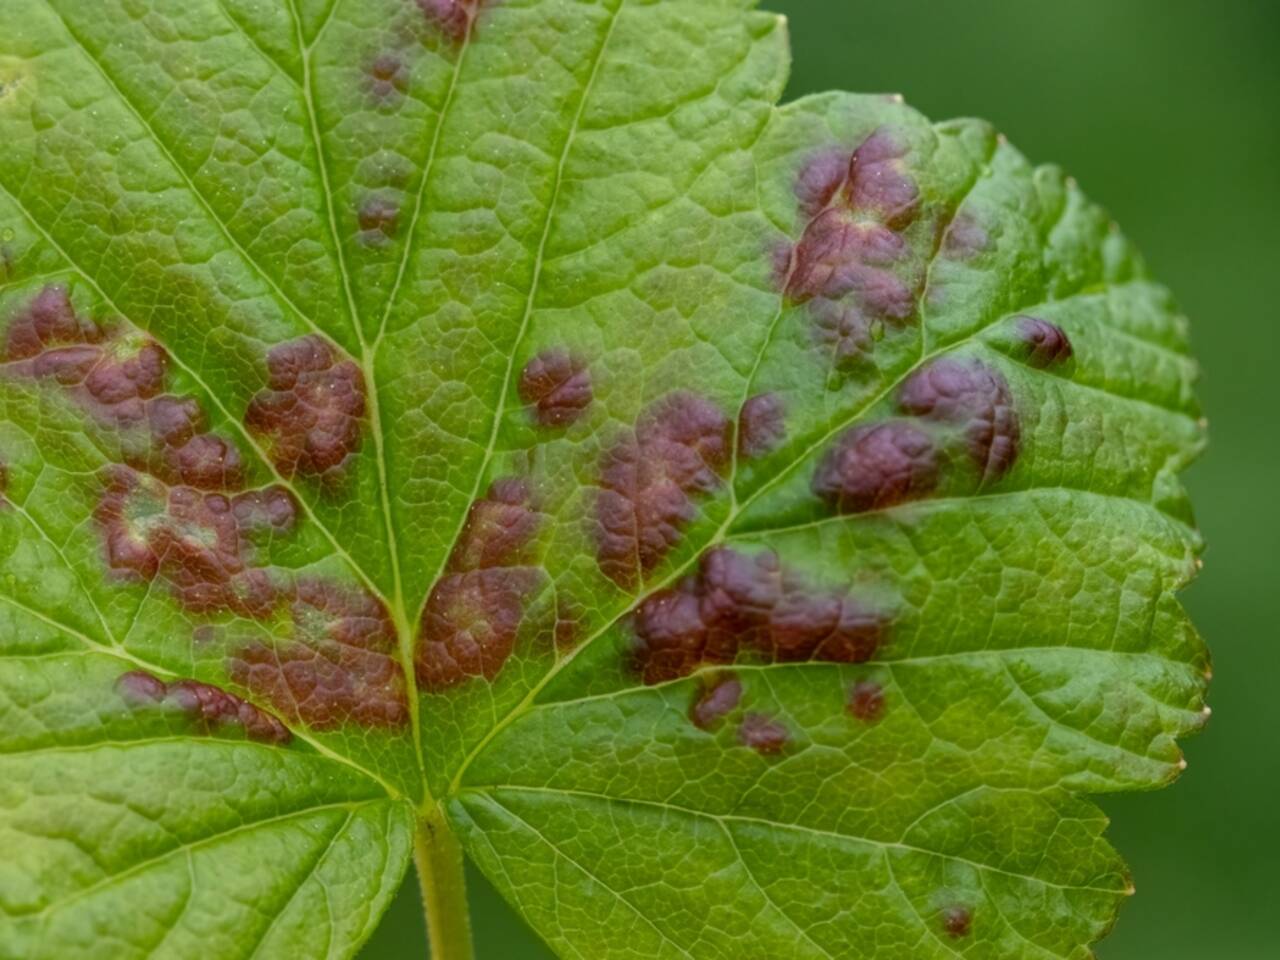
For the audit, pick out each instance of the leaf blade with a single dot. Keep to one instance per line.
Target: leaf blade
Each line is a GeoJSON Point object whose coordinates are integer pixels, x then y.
{"type": "Point", "coordinates": [684, 447]}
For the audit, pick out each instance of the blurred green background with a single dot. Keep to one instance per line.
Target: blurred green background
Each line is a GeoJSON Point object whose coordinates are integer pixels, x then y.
{"type": "Point", "coordinates": [1168, 113]}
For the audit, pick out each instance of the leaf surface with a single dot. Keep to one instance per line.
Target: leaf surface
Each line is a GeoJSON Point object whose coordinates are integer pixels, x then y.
{"type": "Point", "coordinates": [755, 527]}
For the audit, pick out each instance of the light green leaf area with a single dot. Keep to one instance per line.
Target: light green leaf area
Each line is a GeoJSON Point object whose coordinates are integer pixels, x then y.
{"type": "Point", "coordinates": [753, 530]}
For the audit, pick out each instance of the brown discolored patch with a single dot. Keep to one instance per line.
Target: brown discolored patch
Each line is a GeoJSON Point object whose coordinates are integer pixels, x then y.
{"type": "Point", "coordinates": [1046, 344]}
{"type": "Point", "coordinates": [820, 178]}
{"type": "Point", "coordinates": [474, 613]}
{"type": "Point", "coordinates": [471, 623]}
{"type": "Point", "coordinates": [567, 633]}
{"type": "Point", "coordinates": [182, 451]}
{"type": "Point", "coordinates": [957, 922]}
{"type": "Point", "coordinates": [118, 377]}
{"type": "Point", "coordinates": [49, 319]}
{"type": "Point", "coordinates": [387, 76]}
{"type": "Point", "coordinates": [878, 183]}
{"type": "Point", "coordinates": [311, 410]}
{"type": "Point", "coordinates": [4, 483]}
{"type": "Point", "coordinates": [968, 393]}
{"type": "Point", "coordinates": [847, 265]}
{"type": "Point", "coordinates": [206, 461]}
{"type": "Point", "coordinates": [175, 421]}
{"type": "Point", "coordinates": [762, 425]}
{"type": "Point", "coordinates": [740, 605]}
{"type": "Point", "coordinates": [271, 509]}
{"type": "Point", "coordinates": [453, 18]}
{"type": "Point", "coordinates": [570, 620]}
{"type": "Point", "coordinates": [556, 386]}
{"type": "Point", "coordinates": [763, 734]}
{"type": "Point", "coordinates": [153, 513]}
{"type": "Point", "coordinates": [877, 466]}
{"type": "Point", "coordinates": [338, 666]}
{"type": "Point", "coordinates": [715, 701]}
{"type": "Point", "coordinates": [190, 538]}
{"type": "Point", "coordinates": [648, 480]}
{"type": "Point", "coordinates": [111, 376]}
{"type": "Point", "coordinates": [499, 528]}
{"type": "Point", "coordinates": [379, 219]}
{"type": "Point", "coordinates": [163, 513]}
{"type": "Point", "coordinates": [210, 708]}
{"type": "Point", "coordinates": [177, 511]}
{"type": "Point", "coordinates": [866, 701]}
{"type": "Point", "coordinates": [129, 370]}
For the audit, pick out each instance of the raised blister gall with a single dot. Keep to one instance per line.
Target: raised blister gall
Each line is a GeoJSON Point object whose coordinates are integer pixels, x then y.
{"type": "Point", "coordinates": [556, 387]}
{"type": "Point", "coordinates": [453, 18]}
{"type": "Point", "coordinates": [379, 220]}
{"type": "Point", "coordinates": [207, 462]}
{"type": "Point", "coordinates": [49, 319]}
{"type": "Point", "coordinates": [877, 466]}
{"type": "Point", "coordinates": [471, 623]}
{"type": "Point", "coordinates": [762, 425]}
{"type": "Point", "coordinates": [649, 479]}
{"type": "Point", "coordinates": [879, 183]}
{"type": "Point", "coordinates": [473, 615]}
{"type": "Point", "coordinates": [866, 701]}
{"type": "Point", "coordinates": [715, 700]}
{"type": "Point", "coordinates": [189, 537]}
{"type": "Point", "coordinates": [850, 267]}
{"type": "Point", "coordinates": [339, 666]}
{"type": "Point", "coordinates": [131, 369]}
{"type": "Point", "coordinates": [957, 922]}
{"type": "Point", "coordinates": [311, 412]}
{"type": "Point", "coordinates": [740, 606]}
{"type": "Point", "coordinates": [272, 509]}
{"type": "Point", "coordinates": [113, 375]}
{"type": "Point", "coordinates": [839, 256]}
{"type": "Point", "coordinates": [388, 77]}
{"type": "Point", "coordinates": [763, 734]}
{"type": "Point", "coordinates": [499, 528]}
{"type": "Point", "coordinates": [1045, 344]}
{"type": "Point", "coordinates": [821, 176]}
{"type": "Point", "coordinates": [974, 396]}
{"type": "Point", "coordinates": [175, 420]}
{"type": "Point", "coordinates": [211, 709]}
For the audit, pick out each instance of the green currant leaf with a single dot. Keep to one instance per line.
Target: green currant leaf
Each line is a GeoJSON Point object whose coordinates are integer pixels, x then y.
{"type": "Point", "coordinates": [750, 530]}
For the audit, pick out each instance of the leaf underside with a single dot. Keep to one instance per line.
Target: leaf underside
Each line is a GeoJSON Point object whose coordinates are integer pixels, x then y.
{"type": "Point", "coordinates": [754, 527]}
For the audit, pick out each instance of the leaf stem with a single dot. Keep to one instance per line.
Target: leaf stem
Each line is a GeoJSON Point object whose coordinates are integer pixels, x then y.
{"type": "Point", "coordinates": [438, 857]}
